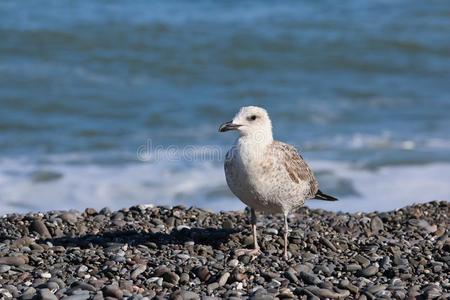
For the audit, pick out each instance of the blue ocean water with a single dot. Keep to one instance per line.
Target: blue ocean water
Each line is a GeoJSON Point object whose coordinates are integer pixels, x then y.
{"type": "Point", "coordinates": [116, 103]}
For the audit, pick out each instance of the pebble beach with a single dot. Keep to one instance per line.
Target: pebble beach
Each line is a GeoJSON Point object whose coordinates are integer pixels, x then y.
{"type": "Point", "coordinates": [150, 252]}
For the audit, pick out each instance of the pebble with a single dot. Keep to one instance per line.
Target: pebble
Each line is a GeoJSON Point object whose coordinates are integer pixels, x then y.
{"type": "Point", "coordinates": [69, 218]}
{"type": "Point", "coordinates": [45, 275]}
{"type": "Point", "coordinates": [364, 262]}
{"type": "Point", "coordinates": [353, 267]}
{"type": "Point", "coordinates": [224, 278]}
{"type": "Point", "coordinates": [432, 291]}
{"type": "Point", "coordinates": [290, 274]}
{"type": "Point", "coordinates": [46, 294]}
{"type": "Point", "coordinates": [272, 231]}
{"type": "Point", "coordinates": [203, 273]}
{"type": "Point", "coordinates": [327, 243]}
{"type": "Point", "coordinates": [183, 256]}
{"type": "Point", "coordinates": [82, 269]}
{"type": "Point", "coordinates": [376, 225]}
{"type": "Point", "coordinates": [4, 268]}
{"type": "Point", "coordinates": [213, 286]}
{"type": "Point", "coordinates": [39, 226]}
{"type": "Point", "coordinates": [326, 293]}
{"type": "Point", "coordinates": [309, 278]}
{"type": "Point", "coordinates": [233, 263]}
{"type": "Point", "coordinates": [187, 295]}
{"type": "Point", "coordinates": [90, 211]}
{"type": "Point", "coordinates": [28, 293]}
{"type": "Point", "coordinates": [85, 286]}
{"type": "Point", "coordinates": [285, 293]}
{"type": "Point", "coordinates": [79, 297]}
{"type": "Point", "coordinates": [376, 288]}
{"type": "Point", "coordinates": [113, 291]}
{"type": "Point", "coordinates": [227, 224]}
{"type": "Point", "coordinates": [181, 227]}
{"type": "Point", "coordinates": [171, 277]}
{"type": "Point", "coordinates": [138, 271]}
{"type": "Point", "coordinates": [13, 261]}
{"type": "Point", "coordinates": [369, 271]}
{"type": "Point", "coordinates": [184, 278]}
{"type": "Point", "coordinates": [346, 284]}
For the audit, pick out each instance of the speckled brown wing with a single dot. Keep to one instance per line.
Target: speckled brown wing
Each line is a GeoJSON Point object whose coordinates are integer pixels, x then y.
{"type": "Point", "coordinates": [297, 169]}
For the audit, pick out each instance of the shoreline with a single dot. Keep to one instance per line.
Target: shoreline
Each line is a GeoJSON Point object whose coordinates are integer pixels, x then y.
{"type": "Point", "coordinates": [185, 253]}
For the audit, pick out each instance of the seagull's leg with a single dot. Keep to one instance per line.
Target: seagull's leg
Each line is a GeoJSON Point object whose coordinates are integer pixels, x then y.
{"type": "Point", "coordinates": [253, 221]}
{"type": "Point", "coordinates": [286, 232]}
{"type": "Point", "coordinates": [256, 250]}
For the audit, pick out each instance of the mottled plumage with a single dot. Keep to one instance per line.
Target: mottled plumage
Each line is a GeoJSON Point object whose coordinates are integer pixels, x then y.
{"type": "Point", "coordinates": [279, 180]}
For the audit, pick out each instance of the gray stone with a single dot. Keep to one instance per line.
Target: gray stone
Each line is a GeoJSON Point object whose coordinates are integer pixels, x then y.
{"type": "Point", "coordinates": [213, 286]}
{"type": "Point", "coordinates": [376, 225]}
{"type": "Point", "coordinates": [77, 297]}
{"type": "Point", "coordinates": [328, 243]}
{"type": "Point", "coordinates": [28, 293]}
{"type": "Point", "coordinates": [187, 295]}
{"type": "Point", "coordinates": [86, 286]}
{"type": "Point", "coordinates": [271, 231]}
{"type": "Point", "coordinates": [38, 226]}
{"type": "Point", "coordinates": [309, 278]}
{"type": "Point", "coordinates": [113, 291]}
{"type": "Point", "coordinates": [4, 268]}
{"type": "Point", "coordinates": [376, 288]}
{"type": "Point", "coordinates": [233, 263]}
{"type": "Point", "coordinates": [290, 274]}
{"type": "Point", "coordinates": [364, 262]}
{"type": "Point", "coordinates": [13, 261]}
{"type": "Point", "coordinates": [326, 293]}
{"type": "Point", "coordinates": [51, 285]}
{"type": "Point", "coordinates": [369, 271]}
{"type": "Point", "coordinates": [353, 267]}
{"type": "Point", "coordinates": [69, 218]}
{"type": "Point", "coordinates": [138, 271]}
{"type": "Point", "coordinates": [171, 277]}
{"type": "Point", "coordinates": [46, 294]}
{"type": "Point", "coordinates": [224, 278]}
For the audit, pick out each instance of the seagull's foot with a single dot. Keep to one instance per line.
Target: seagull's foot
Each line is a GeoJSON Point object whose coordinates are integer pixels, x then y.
{"type": "Point", "coordinates": [251, 252]}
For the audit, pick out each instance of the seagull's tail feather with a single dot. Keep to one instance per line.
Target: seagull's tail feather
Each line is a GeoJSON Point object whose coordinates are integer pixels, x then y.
{"type": "Point", "coordinates": [321, 196]}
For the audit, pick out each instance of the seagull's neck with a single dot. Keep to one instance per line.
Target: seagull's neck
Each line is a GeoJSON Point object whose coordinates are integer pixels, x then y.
{"type": "Point", "coordinates": [256, 142]}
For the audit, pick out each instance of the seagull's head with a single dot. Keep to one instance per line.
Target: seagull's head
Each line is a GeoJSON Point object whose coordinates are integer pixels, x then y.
{"type": "Point", "coordinates": [250, 120]}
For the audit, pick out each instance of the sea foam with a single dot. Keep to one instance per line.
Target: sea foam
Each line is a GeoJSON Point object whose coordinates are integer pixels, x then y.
{"type": "Point", "coordinates": [27, 186]}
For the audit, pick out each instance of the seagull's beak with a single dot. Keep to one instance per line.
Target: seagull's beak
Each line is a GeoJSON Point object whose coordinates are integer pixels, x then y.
{"type": "Point", "coordinates": [228, 126]}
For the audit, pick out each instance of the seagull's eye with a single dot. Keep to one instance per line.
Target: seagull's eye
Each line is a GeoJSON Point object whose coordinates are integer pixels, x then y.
{"type": "Point", "coordinates": [252, 118]}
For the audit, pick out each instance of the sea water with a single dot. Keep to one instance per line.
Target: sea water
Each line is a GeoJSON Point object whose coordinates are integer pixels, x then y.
{"type": "Point", "coordinates": [117, 103]}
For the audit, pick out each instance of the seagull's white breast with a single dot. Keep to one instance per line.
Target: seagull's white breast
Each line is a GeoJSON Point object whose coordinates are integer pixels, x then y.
{"type": "Point", "coordinates": [260, 180]}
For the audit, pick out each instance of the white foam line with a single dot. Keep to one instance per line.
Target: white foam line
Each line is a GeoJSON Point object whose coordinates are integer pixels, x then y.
{"type": "Point", "coordinates": [203, 185]}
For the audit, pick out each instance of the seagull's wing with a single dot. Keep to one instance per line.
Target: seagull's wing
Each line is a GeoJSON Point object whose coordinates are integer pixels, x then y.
{"type": "Point", "coordinates": [297, 169]}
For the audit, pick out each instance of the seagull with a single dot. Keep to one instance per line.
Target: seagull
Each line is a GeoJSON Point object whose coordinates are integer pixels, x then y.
{"type": "Point", "coordinates": [267, 175]}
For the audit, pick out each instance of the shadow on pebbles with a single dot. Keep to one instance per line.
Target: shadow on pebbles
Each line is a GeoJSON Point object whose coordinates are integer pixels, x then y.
{"type": "Point", "coordinates": [146, 252]}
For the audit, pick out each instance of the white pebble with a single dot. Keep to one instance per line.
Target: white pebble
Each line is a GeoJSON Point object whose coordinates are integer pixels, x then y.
{"type": "Point", "coordinates": [5, 293]}
{"type": "Point", "coordinates": [183, 256]}
{"type": "Point", "coordinates": [153, 279]}
{"type": "Point", "coordinates": [82, 268]}
{"type": "Point", "coordinates": [277, 283]}
{"type": "Point", "coordinates": [145, 206]}
{"type": "Point", "coordinates": [181, 227]}
{"type": "Point", "coordinates": [233, 263]}
{"type": "Point", "coordinates": [46, 275]}
{"type": "Point", "coordinates": [160, 281]}
{"type": "Point", "coordinates": [272, 231]}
